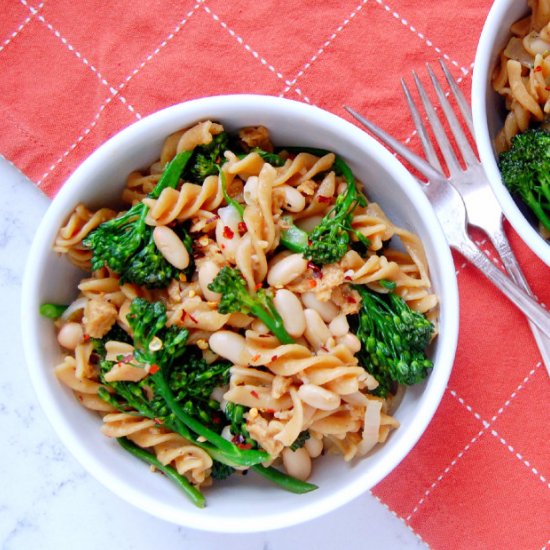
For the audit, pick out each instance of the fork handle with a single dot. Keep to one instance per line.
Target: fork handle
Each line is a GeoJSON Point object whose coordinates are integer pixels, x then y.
{"type": "Point", "coordinates": [511, 264]}
{"type": "Point", "coordinates": [519, 297]}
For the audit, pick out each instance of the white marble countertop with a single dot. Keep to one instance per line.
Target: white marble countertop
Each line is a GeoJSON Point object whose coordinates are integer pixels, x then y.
{"type": "Point", "coordinates": [48, 501]}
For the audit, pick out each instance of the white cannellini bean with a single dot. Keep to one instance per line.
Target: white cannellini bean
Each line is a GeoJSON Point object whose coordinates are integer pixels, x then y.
{"type": "Point", "coordinates": [286, 270]}
{"type": "Point", "coordinates": [297, 463]}
{"type": "Point", "coordinates": [291, 311]}
{"type": "Point", "coordinates": [350, 341]}
{"type": "Point", "coordinates": [314, 447]}
{"type": "Point", "coordinates": [316, 333]}
{"type": "Point", "coordinates": [259, 327]}
{"type": "Point", "coordinates": [339, 325]}
{"type": "Point", "coordinates": [207, 273]}
{"type": "Point", "coordinates": [70, 335]}
{"type": "Point", "coordinates": [308, 224]}
{"type": "Point", "coordinates": [319, 397]}
{"type": "Point", "coordinates": [171, 246]}
{"type": "Point", "coordinates": [230, 345]}
{"type": "Point", "coordinates": [327, 310]}
{"type": "Point", "coordinates": [294, 200]}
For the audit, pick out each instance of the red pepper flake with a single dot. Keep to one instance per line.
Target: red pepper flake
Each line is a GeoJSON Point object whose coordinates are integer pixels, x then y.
{"type": "Point", "coordinates": [158, 421]}
{"type": "Point", "coordinates": [255, 358]}
{"type": "Point", "coordinates": [86, 337]}
{"type": "Point", "coordinates": [228, 232]}
{"type": "Point", "coordinates": [323, 199]}
{"type": "Point", "coordinates": [222, 246]}
{"type": "Point", "coordinates": [242, 228]}
{"type": "Point", "coordinates": [270, 411]}
{"type": "Point", "coordinates": [193, 320]}
{"type": "Point", "coordinates": [154, 368]}
{"type": "Point", "coordinates": [312, 283]}
{"type": "Point", "coordinates": [347, 277]}
{"type": "Point", "coordinates": [274, 357]}
{"type": "Point", "coordinates": [351, 300]}
{"type": "Point", "coordinates": [324, 348]}
{"type": "Point", "coordinates": [216, 419]}
{"type": "Point", "coordinates": [538, 68]}
{"type": "Point", "coordinates": [263, 335]}
{"type": "Point", "coordinates": [547, 88]}
{"type": "Point", "coordinates": [258, 286]}
{"type": "Point", "coordinates": [237, 439]}
{"type": "Point", "coordinates": [254, 394]}
{"type": "Point", "coordinates": [244, 446]}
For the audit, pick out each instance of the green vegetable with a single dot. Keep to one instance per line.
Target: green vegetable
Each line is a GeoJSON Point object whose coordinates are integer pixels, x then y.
{"type": "Point", "coordinates": [207, 159]}
{"type": "Point", "coordinates": [300, 440]}
{"type": "Point", "coordinates": [230, 200]}
{"type": "Point", "coordinates": [221, 471]}
{"type": "Point", "coordinates": [147, 321]}
{"type": "Point", "coordinates": [393, 340]}
{"type": "Point", "coordinates": [286, 482]}
{"type": "Point", "coordinates": [196, 497]}
{"type": "Point", "coordinates": [52, 311]}
{"type": "Point", "coordinates": [525, 170]}
{"type": "Point", "coordinates": [235, 298]}
{"type": "Point", "coordinates": [125, 243]}
{"type": "Point", "coordinates": [330, 239]}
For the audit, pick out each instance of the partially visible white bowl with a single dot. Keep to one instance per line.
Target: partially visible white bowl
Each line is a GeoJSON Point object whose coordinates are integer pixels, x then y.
{"type": "Point", "coordinates": [489, 114]}
{"type": "Point", "coordinates": [239, 504]}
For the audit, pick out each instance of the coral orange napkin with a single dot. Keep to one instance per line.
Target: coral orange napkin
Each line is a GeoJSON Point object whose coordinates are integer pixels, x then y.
{"type": "Point", "coordinates": [74, 73]}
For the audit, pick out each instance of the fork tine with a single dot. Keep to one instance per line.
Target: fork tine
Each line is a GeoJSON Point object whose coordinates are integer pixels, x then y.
{"type": "Point", "coordinates": [437, 128]}
{"type": "Point", "coordinates": [421, 129]}
{"type": "Point", "coordinates": [418, 162]}
{"type": "Point", "coordinates": [460, 99]}
{"type": "Point", "coordinates": [467, 153]}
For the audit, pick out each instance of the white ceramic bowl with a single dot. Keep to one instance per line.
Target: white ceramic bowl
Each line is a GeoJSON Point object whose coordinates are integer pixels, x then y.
{"type": "Point", "coordinates": [238, 504]}
{"type": "Point", "coordinates": [489, 114]}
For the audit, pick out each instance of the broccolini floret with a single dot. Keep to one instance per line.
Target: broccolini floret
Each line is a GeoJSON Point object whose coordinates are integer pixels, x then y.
{"type": "Point", "coordinates": [393, 339]}
{"type": "Point", "coordinates": [116, 242]}
{"type": "Point", "coordinates": [235, 297]}
{"type": "Point", "coordinates": [525, 170]}
{"type": "Point", "coordinates": [207, 159]}
{"type": "Point", "coordinates": [330, 239]}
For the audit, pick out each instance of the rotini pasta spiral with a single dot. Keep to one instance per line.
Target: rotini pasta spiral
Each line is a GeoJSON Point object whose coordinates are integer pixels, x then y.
{"type": "Point", "coordinates": [278, 363]}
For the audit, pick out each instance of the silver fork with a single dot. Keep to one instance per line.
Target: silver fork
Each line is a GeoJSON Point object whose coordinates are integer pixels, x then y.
{"type": "Point", "coordinates": [451, 209]}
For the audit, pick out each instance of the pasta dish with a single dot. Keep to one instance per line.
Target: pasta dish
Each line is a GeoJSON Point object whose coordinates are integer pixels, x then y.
{"type": "Point", "coordinates": [248, 309]}
{"type": "Point", "coordinates": [522, 78]}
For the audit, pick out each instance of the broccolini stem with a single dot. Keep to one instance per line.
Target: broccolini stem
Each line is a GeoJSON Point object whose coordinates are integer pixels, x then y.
{"type": "Point", "coordinates": [196, 497]}
{"type": "Point", "coordinates": [52, 311]}
{"type": "Point", "coordinates": [230, 200]}
{"type": "Point", "coordinates": [232, 452]}
{"type": "Point", "coordinates": [171, 174]}
{"type": "Point", "coordinates": [285, 481]}
{"type": "Point", "coordinates": [273, 321]}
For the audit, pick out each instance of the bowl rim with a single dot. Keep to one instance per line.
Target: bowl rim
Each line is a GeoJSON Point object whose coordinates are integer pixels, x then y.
{"type": "Point", "coordinates": [481, 86]}
{"type": "Point", "coordinates": [189, 516]}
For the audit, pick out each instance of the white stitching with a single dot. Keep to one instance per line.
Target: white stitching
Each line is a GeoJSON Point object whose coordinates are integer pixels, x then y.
{"type": "Point", "coordinates": [251, 51]}
{"type": "Point", "coordinates": [399, 518]}
{"type": "Point", "coordinates": [428, 42]}
{"type": "Point", "coordinates": [84, 60]}
{"type": "Point", "coordinates": [325, 45]}
{"type": "Point", "coordinates": [486, 425]}
{"type": "Point", "coordinates": [520, 457]}
{"type": "Point", "coordinates": [95, 119]}
{"type": "Point", "coordinates": [444, 473]}
{"type": "Point", "coordinates": [34, 11]}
